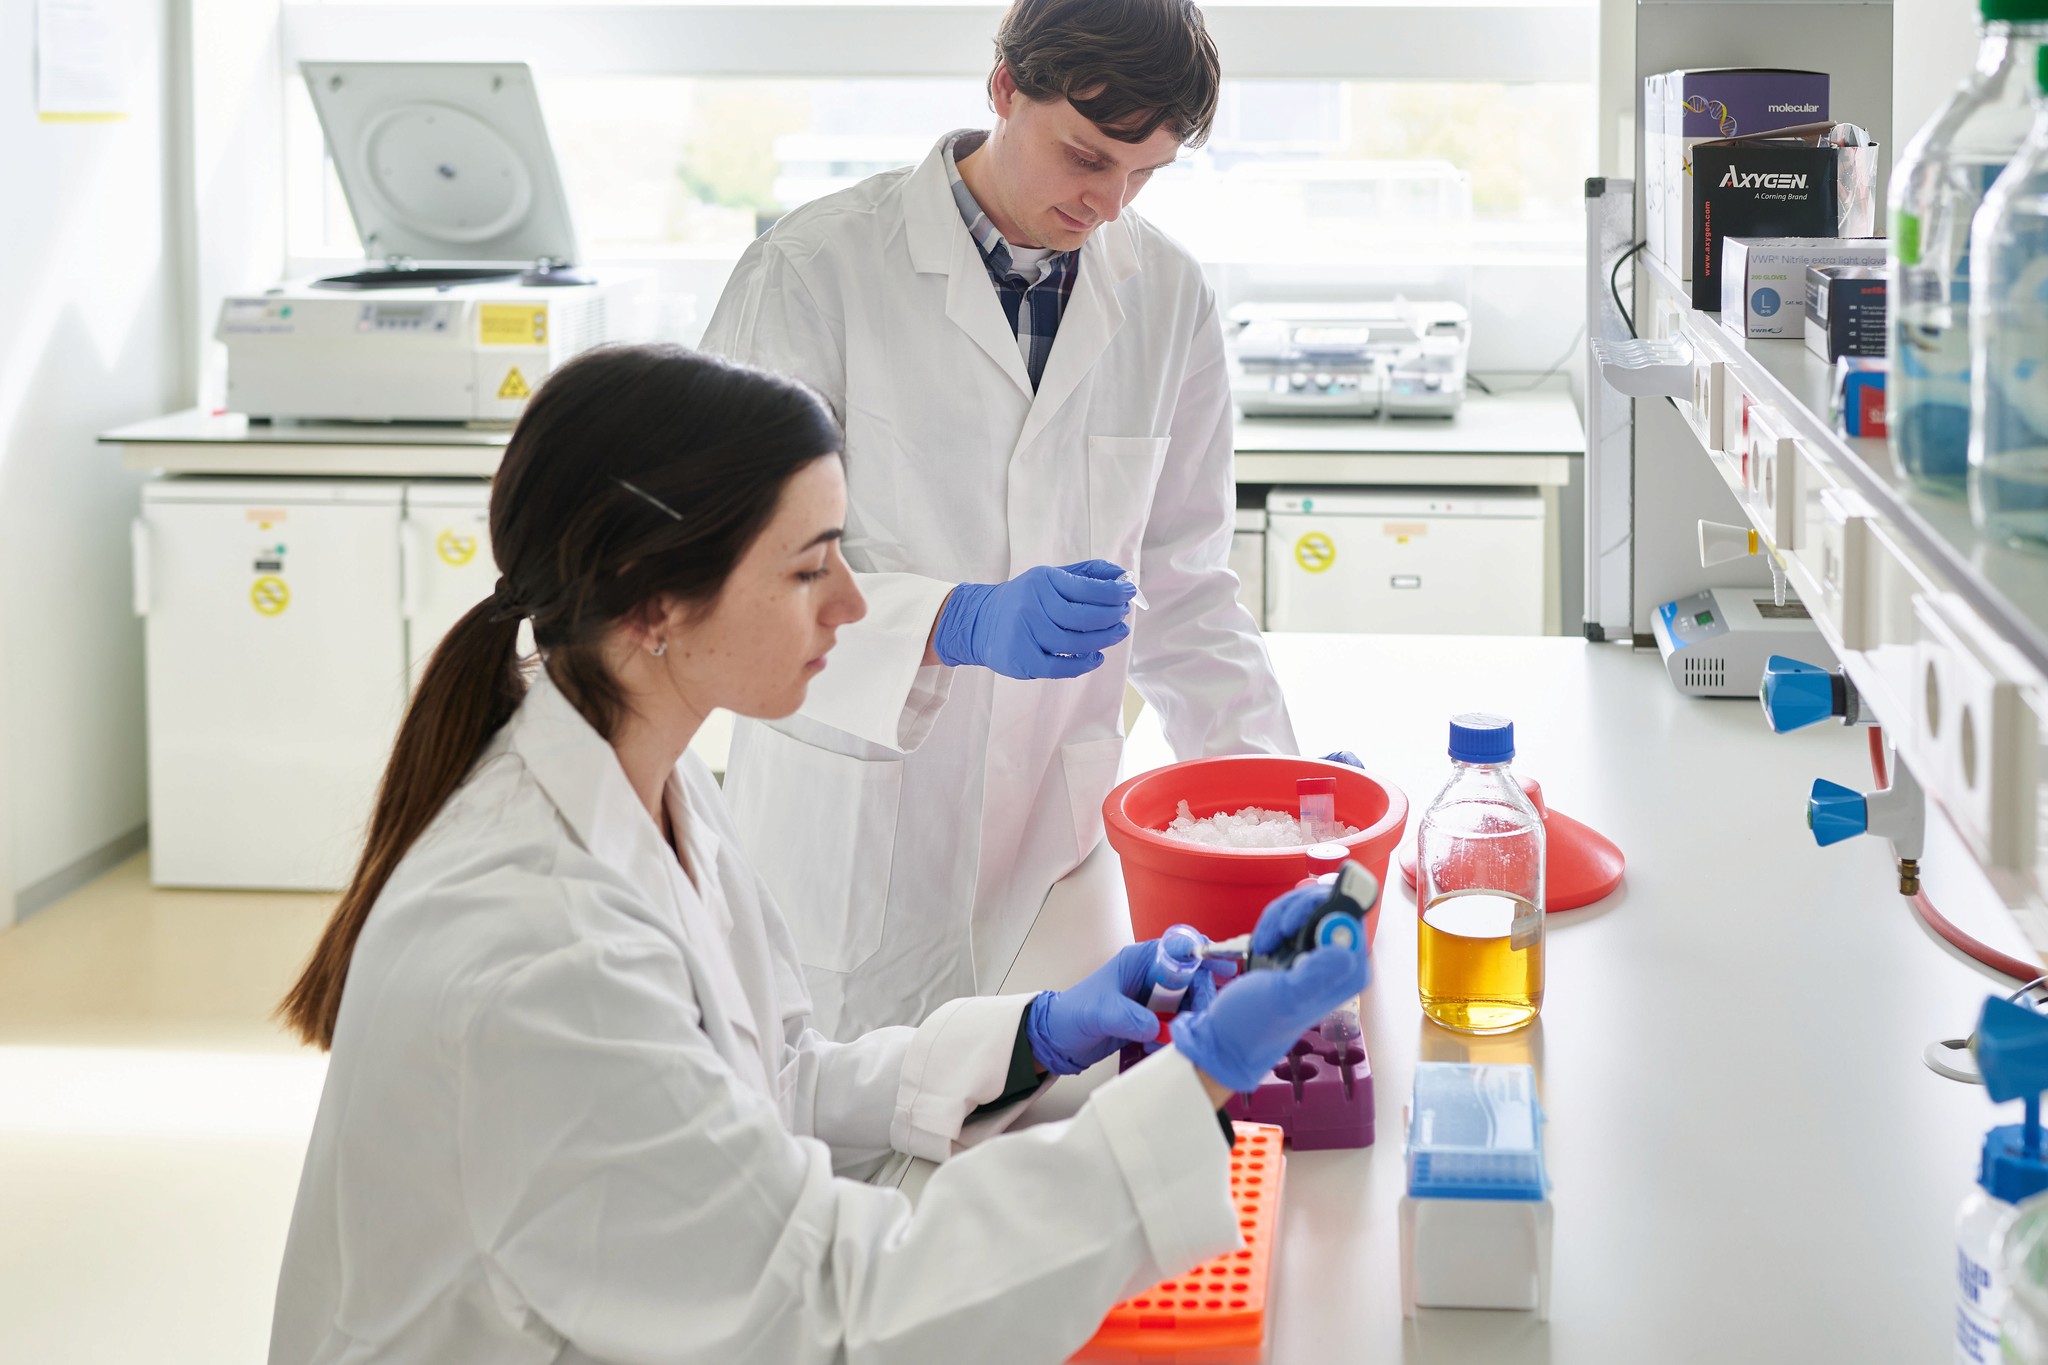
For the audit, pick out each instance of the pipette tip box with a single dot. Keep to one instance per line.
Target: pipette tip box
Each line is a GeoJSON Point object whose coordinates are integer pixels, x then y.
{"type": "Point", "coordinates": [1476, 1221]}
{"type": "Point", "coordinates": [1215, 1314]}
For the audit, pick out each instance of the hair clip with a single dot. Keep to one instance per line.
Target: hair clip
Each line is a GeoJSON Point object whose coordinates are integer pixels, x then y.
{"type": "Point", "coordinates": [647, 496]}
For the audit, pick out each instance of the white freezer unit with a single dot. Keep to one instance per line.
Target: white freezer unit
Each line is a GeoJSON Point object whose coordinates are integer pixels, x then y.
{"type": "Point", "coordinates": [1443, 562]}
{"type": "Point", "coordinates": [276, 673]}
{"type": "Point", "coordinates": [445, 554]}
{"type": "Point", "coordinates": [1248, 561]}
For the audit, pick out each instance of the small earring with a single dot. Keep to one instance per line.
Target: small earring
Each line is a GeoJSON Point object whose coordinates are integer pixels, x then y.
{"type": "Point", "coordinates": [659, 649]}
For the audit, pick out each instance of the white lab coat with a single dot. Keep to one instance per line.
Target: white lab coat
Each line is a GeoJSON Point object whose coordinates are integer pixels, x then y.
{"type": "Point", "coordinates": [574, 1114]}
{"type": "Point", "coordinates": [937, 807]}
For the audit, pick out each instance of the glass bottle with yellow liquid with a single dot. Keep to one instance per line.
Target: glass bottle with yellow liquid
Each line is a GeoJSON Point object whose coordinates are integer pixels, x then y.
{"type": "Point", "coordinates": [1479, 888]}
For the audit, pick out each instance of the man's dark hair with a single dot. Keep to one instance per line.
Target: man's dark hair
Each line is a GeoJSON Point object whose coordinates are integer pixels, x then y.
{"type": "Point", "coordinates": [1130, 66]}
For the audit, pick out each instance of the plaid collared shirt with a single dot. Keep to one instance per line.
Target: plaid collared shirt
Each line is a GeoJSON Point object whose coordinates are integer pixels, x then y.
{"type": "Point", "coordinates": [1033, 306]}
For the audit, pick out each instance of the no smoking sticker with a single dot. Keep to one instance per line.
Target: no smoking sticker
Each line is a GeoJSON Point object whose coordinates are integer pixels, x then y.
{"type": "Point", "coordinates": [455, 550]}
{"type": "Point", "coordinates": [1315, 552]}
{"type": "Point", "coordinates": [269, 596]}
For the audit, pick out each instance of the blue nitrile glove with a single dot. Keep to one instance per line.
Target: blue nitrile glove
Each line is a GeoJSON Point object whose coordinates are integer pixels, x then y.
{"type": "Point", "coordinates": [1343, 756]}
{"type": "Point", "coordinates": [1044, 623]}
{"type": "Point", "coordinates": [1072, 1030]}
{"type": "Point", "coordinates": [1237, 1036]}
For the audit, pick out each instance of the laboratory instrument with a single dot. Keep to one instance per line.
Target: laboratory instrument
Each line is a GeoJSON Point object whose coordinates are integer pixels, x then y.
{"type": "Point", "coordinates": [1222, 890]}
{"type": "Point", "coordinates": [2011, 1048]}
{"type": "Point", "coordinates": [1339, 922]}
{"type": "Point", "coordinates": [1350, 359]}
{"type": "Point", "coordinates": [445, 564]}
{"type": "Point", "coordinates": [1400, 561]}
{"type": "Point", "coordinates": [1476, 1220]}
{"type": "Point", "coordinates": [1940, 179]}
{"type": "Point", "coordinates": [1580, 864]}
{"type": "Point", "coordinates": [1479, 888]}
{"type": "Point", "coordinates": [1716, 643]}
{"type": "Point", "coordinates": [275, 666]}
{"type": "Point", "coordinates": [2008, 478]}
{"type": "Point", "coordinates": [469, 297]}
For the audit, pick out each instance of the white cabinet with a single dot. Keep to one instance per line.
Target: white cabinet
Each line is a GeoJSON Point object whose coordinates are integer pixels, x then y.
{"type": "Point", "coordinates": [445, 548]}
{"type": "Point", "coordinates": [276, 674]}
{"type": "Point", "coordinates": [1401, 562]}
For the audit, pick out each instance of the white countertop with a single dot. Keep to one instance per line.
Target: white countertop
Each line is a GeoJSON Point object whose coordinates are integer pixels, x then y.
{"type": "Point", "coordinates": [1750, 1161]}
{"type": "Point", "coordinates": [1543, 422]}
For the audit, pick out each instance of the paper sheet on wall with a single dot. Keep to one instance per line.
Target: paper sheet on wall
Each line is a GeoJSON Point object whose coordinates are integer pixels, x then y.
{"type": "Point", "coordinates": [81, 71]}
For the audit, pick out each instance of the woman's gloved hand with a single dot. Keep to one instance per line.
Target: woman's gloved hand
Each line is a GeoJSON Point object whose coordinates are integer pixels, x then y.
{"type": "Point", "coordinates": [1072, 1030]}
{"type": "Point", "coordinates": [1044, 623]}
{"type": "Point", "coordinates": [1237, 1036]}
{"type": "Point", "coordinates": [1343, 756]}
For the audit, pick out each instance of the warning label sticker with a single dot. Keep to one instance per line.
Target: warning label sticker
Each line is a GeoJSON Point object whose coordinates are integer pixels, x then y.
{"type": "Point", "coordinates": [514, 385]}
{"type": "Point", "coordinates": [269, 596]}
{"type": "Point", "coordinates": [1315, 552]}
{"type": "Point", "coordinates": [455, 550]}
{"type": "Point", "coordinates": [512, 324]}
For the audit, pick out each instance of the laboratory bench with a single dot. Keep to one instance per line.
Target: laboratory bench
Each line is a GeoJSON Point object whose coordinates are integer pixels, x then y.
{"type": "Point", "coordinates": [1750, 1161]}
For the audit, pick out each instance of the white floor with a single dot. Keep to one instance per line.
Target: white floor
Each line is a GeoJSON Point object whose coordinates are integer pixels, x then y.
{"type": "Point", "coordinates": [152, 1122]}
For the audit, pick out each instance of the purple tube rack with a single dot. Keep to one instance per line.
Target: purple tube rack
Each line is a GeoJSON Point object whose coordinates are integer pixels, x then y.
{"type": "Point", "coordinates": [1321, 1095]}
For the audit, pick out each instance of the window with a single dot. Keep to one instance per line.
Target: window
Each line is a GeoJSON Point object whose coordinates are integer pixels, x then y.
{"type": "Point", "coordinates": [659, 164]}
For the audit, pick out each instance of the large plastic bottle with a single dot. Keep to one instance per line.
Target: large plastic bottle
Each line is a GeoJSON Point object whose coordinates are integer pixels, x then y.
{"type": "Point", "coordinates": [1940, 179]}
{"type": "Point", "coordinates": [2011, 1045]}
{"type": "Point", "coordinates": [2009, 342]}
{"type": "Point", "coordinates": [1479, 888]}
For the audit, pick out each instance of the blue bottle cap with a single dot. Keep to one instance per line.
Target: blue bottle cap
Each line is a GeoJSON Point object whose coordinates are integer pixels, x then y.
{"type": "Point", "coordinates": [1477, 737]}
{"type": "Point", "coordinates": [2005, 1170]}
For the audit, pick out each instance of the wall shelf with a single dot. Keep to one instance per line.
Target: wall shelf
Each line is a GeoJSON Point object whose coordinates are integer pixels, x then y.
{"type": "Point", "coordinates": [1943, 631]}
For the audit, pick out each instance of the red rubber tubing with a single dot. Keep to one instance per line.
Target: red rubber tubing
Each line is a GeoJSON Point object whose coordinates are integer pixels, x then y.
{"type": "Point", "coordinates": [1935, 921]}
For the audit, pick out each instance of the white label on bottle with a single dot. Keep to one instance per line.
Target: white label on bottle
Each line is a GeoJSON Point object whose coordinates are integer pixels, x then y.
{"type": "Point", "coordinates": [1976, 1328]}
{"type": "Point", "coordinates": [1528, 930]}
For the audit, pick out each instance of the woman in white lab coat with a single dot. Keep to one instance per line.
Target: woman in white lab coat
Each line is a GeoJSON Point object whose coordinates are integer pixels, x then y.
{"type": "Point", "coordinates": [574, 1112]}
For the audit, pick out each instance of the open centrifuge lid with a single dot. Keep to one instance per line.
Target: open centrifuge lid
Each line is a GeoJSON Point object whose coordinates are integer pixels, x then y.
{"type": "Point", "coordinates": [444, 161]}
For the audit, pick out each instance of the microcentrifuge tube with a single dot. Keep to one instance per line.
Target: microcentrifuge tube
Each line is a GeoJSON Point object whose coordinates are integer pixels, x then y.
{"type": "Point", "coordinates": [1318, 796]}
{"type": "Point", "coordinates": [1174, 966]}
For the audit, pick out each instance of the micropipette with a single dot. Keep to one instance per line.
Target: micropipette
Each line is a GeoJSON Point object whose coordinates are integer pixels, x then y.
{"type": "Point", "coordinates": [1339, 922]}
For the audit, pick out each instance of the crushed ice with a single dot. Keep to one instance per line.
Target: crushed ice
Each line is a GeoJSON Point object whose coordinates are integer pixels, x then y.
{"type": "Point", "coordinates": [1252, 827]}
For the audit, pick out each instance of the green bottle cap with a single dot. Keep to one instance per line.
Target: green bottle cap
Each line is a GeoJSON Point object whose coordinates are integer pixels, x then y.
{"type": "Point", "coordinates": [2013, 11]}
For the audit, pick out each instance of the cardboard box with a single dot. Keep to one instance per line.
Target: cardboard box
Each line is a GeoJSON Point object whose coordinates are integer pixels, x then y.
{"type": "Point", "coordinates": [1859, 395]}
{"type": "Point", "coordinates": [1776, 188]}
{"type": "Point", "coordinates": [1845, 311]}
{"type": "Point", "coordinates": [1681, 109]}
{"type": "Point", "coordinates": [1763, 279]}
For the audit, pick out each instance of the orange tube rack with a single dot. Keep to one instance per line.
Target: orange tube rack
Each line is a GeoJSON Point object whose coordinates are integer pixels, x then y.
{"type": "Point", "coordinates": [1216, 1313]}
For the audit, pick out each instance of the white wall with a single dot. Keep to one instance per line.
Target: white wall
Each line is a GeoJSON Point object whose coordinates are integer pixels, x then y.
{"type": "Point", "coordinates": [1933, 44]}
{"type": "Point", "coordinates": [93, 338]}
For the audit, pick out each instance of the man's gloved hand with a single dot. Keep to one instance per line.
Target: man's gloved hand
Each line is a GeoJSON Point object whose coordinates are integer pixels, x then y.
{"type": "Point", "coordinates": [1237, 1036]}
{"type": "Point", "coordinates": [1072, 1030]}
{"type": "Point", "coordinates": [1343, 756]}
{"type": "Point", "coordinates": [1044, 623]}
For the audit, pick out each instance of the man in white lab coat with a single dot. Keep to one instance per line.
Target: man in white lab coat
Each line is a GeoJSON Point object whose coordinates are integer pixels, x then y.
{"type": "Point", "coordinates": [1029, 376]}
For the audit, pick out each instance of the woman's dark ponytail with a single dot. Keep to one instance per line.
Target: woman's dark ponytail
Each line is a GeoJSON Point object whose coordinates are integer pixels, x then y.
{"type": "Point", "coordinates": [637, 473]}
{"type": "Point", "coordinates": [471, 686]}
